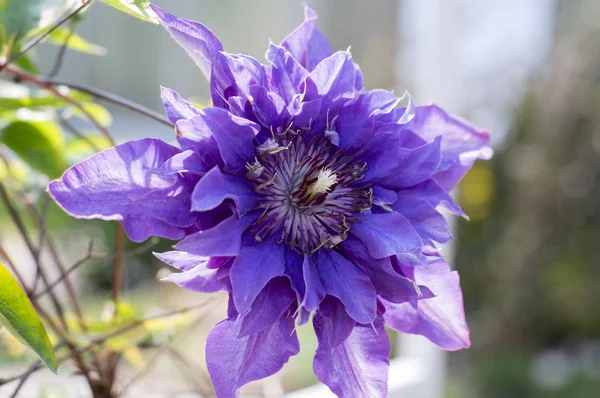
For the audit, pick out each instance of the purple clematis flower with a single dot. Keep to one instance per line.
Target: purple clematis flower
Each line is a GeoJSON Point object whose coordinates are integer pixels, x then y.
{"type": "Point", "coordinates": [300, 194]}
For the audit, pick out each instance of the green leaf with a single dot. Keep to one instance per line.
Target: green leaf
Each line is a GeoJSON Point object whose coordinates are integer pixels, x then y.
{"type": "Point", "coordinates": [19, 317]}
{"type": "Point", "coordinates": [138, 8]}
{"type": "Point", "coordinates": [7, 103]}
{"type": "Point", "coordinates": [80, 148]}
{"type": "Point", "coordinates": [19, 17]}
{"type": "Point", "coordinates": [44, 100]}
{"type": "Point", "coordinates": [38, 144]}
{"type": "Point", "coordinates": [61, 35]}
{"type": "Point", "coordinates": [25, 62]}
{"type": "Point", "coordinates": [100, 113]}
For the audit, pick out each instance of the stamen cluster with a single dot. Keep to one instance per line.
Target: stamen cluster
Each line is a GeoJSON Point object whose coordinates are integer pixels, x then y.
{"type": "Point", "coordinates": [310, 191]}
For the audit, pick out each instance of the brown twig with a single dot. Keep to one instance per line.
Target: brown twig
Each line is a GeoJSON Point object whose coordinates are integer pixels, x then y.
{"type": "Point", "coordinates": [90, 256]}
{"type": "Point", "coordinates": [76, 133]}
{"type": "Point", "coordinates": [16, 218]}
{"type": "Point", "coordinates": [188, 371]}
{"type": "Point", "coordinates": [64, 275]}
{"type": "Point", "coordinates": [162, 350]}
{"type": "Point", "coordinates": [41, 240]}
{"type": "Point", "coordinates": [103, 339]}
{"type": "Point", "coordinates": [15, 270]}
{"type": "Point", "coordinates": [58, 62]}
{"type": "Point", "coordinates": [38, 81]}
{"type": "Point", "coordinates": [118, 263]}
{"type": "Point", "coordinates": [116, 100]}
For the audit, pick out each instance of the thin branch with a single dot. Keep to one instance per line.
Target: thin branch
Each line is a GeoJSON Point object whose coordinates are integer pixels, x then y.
{"type": "Point", "coordinates": [90, 256]}
{"type": "Point", "coordinates": [136, 324]}
{"type": "Point", "coordinates": [38, 219]}
{"type": "Point", "coordinates": [115, 99]}
{"type": "Point", "coordinates": [188, 371]}
{"type": "Point", "coordinates": [35, 41]}
{"type": "Point", "coordinates": [56, 303]}
{"type": "Point", "coordinates": [60, 57]}
{"type": "Point", "coordinates": [23, 379]}
{"type": "Point", "coordinates": [100, 340]}
{"type": "Point", "coordinates": [118, 264]}
{"type": "Point", "coordinates": [41, 240]}
{"type": "Point", "coordinates": [14, 269]}
{"type": "Point", "coordinates": [24, 76]}
{"type": "Point", "coordinates": [76, 133]}
{"type": "Point", "coordinates": [16, 218]}
{"type": "Point", "coordinates": [162, 350]}
{"type": "Point", "coordinates": [67, 272]}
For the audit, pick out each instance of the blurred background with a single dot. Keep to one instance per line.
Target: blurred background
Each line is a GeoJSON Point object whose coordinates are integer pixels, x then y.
{"type": "Point", "coordinates": [529, 258]}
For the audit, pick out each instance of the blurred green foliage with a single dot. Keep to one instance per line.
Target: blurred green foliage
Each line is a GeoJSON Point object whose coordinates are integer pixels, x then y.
{"type": "Point", "coordinates": [530, 258]}
{"type": "Point", "coordinates": [40, 138]}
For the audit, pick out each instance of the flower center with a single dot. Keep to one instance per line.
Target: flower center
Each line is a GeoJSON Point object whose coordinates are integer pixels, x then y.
{"type": "Point", "coordinates": [310, 191]}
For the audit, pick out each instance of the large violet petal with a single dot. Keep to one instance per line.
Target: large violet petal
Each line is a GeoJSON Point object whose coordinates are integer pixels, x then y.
{"type": "Point", "coordinates": [225, 239]}
{"type": "Point", "coordinates": [461, 145]}
{"type": "Point", "coordinates": [441, 319]}
{"type": "Point", "coordinates": [196, 275]}
{"type": "Point", "coordinates": [122, 183]}
{"type": "Point", "coordinates": [234, 361]}
{"type": "Point", "coordinates": [387, 234]}
{"type": "Point", "coordinates": [215, 187]}
{"type": "Point", "coordinates": [358, 367]}
{"type": "Point", "coordinates": [252, 269]}
{"type": "Point", "coordinates": [234, 136]}
{"type": "Point", "coordinates": [306, 43]}
{"type": "Point", "coordinates": [287, 75]}
{"type": "Point", "coordinates": [426, 220]}
{"type": "Point", "coordinates": [270, 305]}
{"type": "Point", "coordinates": [176, 108]}
{"type": "Point", "coordinates": [343, 280]}
{"type": "Point", "coordinates": [196, 39]}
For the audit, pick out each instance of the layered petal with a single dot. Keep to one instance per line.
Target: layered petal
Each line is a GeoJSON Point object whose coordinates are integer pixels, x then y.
{"type": "Point", "coordinates": [333, 78]}
{"type": "Point", "coordinates": [425, 219]}
{"type": "Point", "coordinates": [288, 76]}
{"type": "Point", "coordinates": [122, 183]}
{"type": "Point", "coordinates": [234, 137]}
{"type": "Point", "coordinates": [234, 361]}
{"type": "Point", "coordinates": [389, 284]}
{"type": "Point", "coordinates": [395, 163]}
{"type": "Point", "coordinates": [356, 367]}
{"type": "Point", "coordinates": [351, 286]}
{"type": "Point", "coordinates": [306, 43]}
{"type": "Point", "coordinates": [387, 234]}
{"type": "Point", "coordinates": [268, 107]}
{"type": "Point", "coordinates": [432, 193]}
{"type": "Point", "coordinates": [196, 275]}
{"type": "Point", "coordinates": [176, 108]}
{"type": "Point", "coordinates": [193, 136]}
{"type": "Point", "coordinates": [441, 319]}
{"type": "Point", "coordinates": [225, 239]}
{"type": "Point", "coordinates": [293, 271]}
{"type": "Point", "coordinates": [461, 145]}
{"type": "Point", "coordinates": [315, 291]}
{"type": "Point", "coordinates": [215, 187]}
{"type": "Point", "coordinates": [232, 76]}
{"type": "Point", "coordinates": [270, 305]}
{"type": "Point", "coordinates": [187, 161]}
{"type": "Point", "coordinates": [196, 39]}
{"type": "Point", "coordinates": [252, 269]}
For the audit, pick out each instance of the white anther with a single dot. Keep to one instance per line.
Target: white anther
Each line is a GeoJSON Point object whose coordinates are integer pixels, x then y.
{"type": "Point", "coordinates": [326, 179]}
